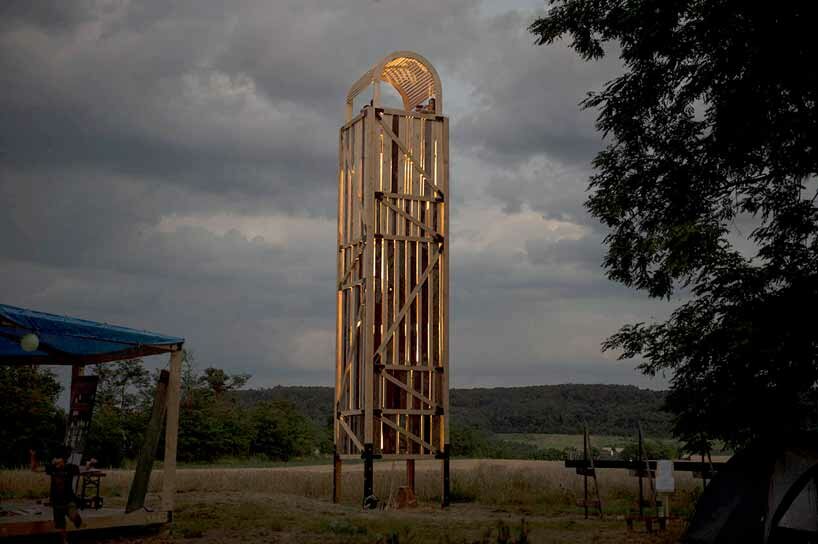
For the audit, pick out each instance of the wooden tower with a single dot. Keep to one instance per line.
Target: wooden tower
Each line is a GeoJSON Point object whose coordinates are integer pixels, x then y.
{"type": "Point", "coordinates": [392, 348]}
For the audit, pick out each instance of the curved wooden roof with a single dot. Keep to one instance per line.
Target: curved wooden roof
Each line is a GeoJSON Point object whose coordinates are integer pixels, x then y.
{"type": "Point", "coordinates": [414, 77]}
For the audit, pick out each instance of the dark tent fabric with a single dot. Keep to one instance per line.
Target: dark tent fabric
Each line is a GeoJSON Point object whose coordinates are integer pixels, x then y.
{"type": "Point", "coordinates": [68, 340]}
{"type": "Point", "coordinates": [765, 494]}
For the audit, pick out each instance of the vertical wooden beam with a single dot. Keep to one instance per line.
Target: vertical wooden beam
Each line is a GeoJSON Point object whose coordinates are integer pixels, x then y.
{"type": "Point", "coordinates": [585, 453]}
{"type": "Point", "coordinates": [336, 477]}
{"type": "Point", "coordinates": [172, 430]}
{"type": "Point", "coordinates": [144, 463]}
{"type": "Point", "coordinates": [410, 474]}
{"type": "Point", "coordinates": [444, 306]}
{"type": "Point", "coordinates": [340, 349]}
{"type": "Point", "coordinates": [368, 263]}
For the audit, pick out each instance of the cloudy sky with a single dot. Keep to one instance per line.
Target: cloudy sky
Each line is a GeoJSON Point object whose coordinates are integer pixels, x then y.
{"type": "Point", "coordinates": [170, 165]}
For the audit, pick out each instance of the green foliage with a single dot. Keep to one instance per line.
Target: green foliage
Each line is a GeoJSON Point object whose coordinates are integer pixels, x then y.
{"type": "Point", "coordinates": [468, 441]}
{"type": "Point", "coordinates": [607, 409]}
{"type": "Point", "coordinates": [121, 411]}
{"type": "Point", "coordinates": [31, 419]}
{"type": "Point", "coordinates": [711, 133]}
{"type": "Point", "coordinates": [279, 431]}
{"type": "Point", "coordinates": [654, 449]}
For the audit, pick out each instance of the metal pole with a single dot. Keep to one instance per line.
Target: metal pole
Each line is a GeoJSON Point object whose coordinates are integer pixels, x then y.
{"type": "Point", "coordinates": [369, 476]}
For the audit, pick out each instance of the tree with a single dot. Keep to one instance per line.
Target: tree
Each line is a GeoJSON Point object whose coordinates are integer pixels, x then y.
{"type": "Point", "coordinates": [211, 424]}
{"type": "Point", "coordinates": [31, 420]}
{"type": "Point", "coordinates": [280, 432]}
{"type": "Point", "coordinates": [121, 410]}
{"type": "Point", "coordinates": [711, 132]}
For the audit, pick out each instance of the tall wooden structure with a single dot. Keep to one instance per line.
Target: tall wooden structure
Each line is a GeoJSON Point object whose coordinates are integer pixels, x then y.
{"type": "Point", "coordinates": [392, 350]}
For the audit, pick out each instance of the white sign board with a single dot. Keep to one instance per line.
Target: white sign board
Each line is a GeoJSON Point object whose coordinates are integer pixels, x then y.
{"type": "Point", "coordinates": [664, 476]}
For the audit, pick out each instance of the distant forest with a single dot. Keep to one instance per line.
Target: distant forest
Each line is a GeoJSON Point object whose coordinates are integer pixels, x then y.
{"type": "Point", "coordinates": [557, 409]}
{"type": "Point", "coordinates": [220, 421]}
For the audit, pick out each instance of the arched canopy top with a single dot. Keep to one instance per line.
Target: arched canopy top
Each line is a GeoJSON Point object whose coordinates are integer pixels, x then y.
{"type": "Point", "coordinates": [413, 76]}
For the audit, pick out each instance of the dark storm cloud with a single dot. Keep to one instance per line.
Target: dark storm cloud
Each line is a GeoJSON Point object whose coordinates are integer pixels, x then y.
{"type": "Point", "coordinates": [170, 165]}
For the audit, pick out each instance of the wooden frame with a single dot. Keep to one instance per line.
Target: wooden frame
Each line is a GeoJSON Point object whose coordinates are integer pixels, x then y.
{"type": "Point", "coordinates": [108, 518]}
{"type": "Point", "coordinates": [391, 378]}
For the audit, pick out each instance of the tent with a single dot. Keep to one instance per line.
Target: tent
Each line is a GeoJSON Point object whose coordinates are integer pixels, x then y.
{"type": "Point", "coordinates": [29, 337]}
{"type": "Point", "coordinates": [766, 494]}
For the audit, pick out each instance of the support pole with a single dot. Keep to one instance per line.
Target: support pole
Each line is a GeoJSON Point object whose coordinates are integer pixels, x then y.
{"type": "Point", "coordinates": [445, 494]}
{"type": "Point", "coordinates": [369, 473]}
{"type": "Point", "coordinates": [172, 431]}
{"type": "Point", "coordinates": [587, 465]}
{"type": "Point", "coordinates": [639, 457]}
{"type": "Point", "coordinates": [144, 463]}
{"type": "Point", "coordinates": [410, 474]}
{"type": "Point", "coordinates": [336, 478]}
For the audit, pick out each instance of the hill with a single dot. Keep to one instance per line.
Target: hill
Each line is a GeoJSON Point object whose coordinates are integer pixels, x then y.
{"type": "Point", "coordinates": [557, 409]}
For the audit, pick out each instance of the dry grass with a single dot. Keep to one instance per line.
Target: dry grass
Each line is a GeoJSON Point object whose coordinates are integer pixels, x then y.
{"type": "Point", "coordinates": [290, 504]}
{"type": "Point", "coordinates": [543, 484]}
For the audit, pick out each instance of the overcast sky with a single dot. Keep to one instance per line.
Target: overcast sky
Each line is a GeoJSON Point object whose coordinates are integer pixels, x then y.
{"type": "Point", "coordinates": [171, 165]}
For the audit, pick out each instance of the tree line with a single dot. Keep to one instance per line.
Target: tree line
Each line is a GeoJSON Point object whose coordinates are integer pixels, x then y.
{"type": "Point", "coordinates": [220, 420]}
{"type": "Point", "coordinates": [213, 425]}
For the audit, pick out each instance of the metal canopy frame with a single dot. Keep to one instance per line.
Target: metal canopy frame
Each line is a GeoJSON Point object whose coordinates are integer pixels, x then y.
{"type": "Point", "coordinates": [15, 323]}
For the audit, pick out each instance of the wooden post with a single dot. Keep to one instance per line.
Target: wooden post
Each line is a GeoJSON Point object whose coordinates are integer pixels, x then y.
{"type": "Point", "coordinates": [587, 465]}
{"type": "Point", "coordinates": [410, 474]}
{"type": "Point", "coordinates": [172, 431]}
{"type": "Point", "coordinates": [639, 458]}
{"type": "Point", "coordinates": [444, 302]}
{"type": "Point", "coordinates": [336, 478]}
{"type": "Point", "coordinates": [144, 463]}
{"type": "Point", "coordinates": [369, 304]}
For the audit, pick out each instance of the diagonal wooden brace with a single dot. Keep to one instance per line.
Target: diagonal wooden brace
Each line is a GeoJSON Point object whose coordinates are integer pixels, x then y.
{"type": "Point", "coordinates": [415, 163]}
{"type": "Point", "coordinates": [433, 260]}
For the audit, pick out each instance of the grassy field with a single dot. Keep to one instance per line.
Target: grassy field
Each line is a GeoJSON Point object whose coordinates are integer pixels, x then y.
{"type": "Point", "coordinates": [290, 504]}
{"type": "Point", "coordinates": [562, 441]}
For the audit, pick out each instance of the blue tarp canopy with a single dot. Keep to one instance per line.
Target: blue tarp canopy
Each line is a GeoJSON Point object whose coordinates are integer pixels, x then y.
{"type": "Point", "coordinates": [68, 340]}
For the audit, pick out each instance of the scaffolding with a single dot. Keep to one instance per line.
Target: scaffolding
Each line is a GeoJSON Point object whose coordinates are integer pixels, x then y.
{"type": "Point", "coordinates": [392, 351]}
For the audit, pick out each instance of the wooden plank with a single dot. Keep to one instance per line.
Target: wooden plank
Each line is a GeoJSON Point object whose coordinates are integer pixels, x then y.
{"type": "Point", "coordinates": [172, 431]}
{"type": "Point", "coordinates": [395, 237]}
{"type": "Point", "coordinates": [408, 411]}
{"type": "Point", "coordinates": [408, 196]}
{"type": "Point", "coordinates": [351, 434]}
{"type": "Point", "coordinates": [409, 155]}
{"type": "Point", "coordinates": [409, 218]}
{"type": "Point", "coordinates": [351, 285]}
{"type": "Point", "coordinates": [416, 368]}
{"type": "Point", "coordinates": [367, 266]}
{"type": "Point", "coordinates": [413, 437]}
{"type": "Point", "coordinates": [444, 288]}
{"type": "Point", "coordinates": [406, 307]}
{"type": "Point", "coordinates": [417, 114]}
{"type": "Point", "coordinates": [409, 390]}
{"type": "Point", "coordinates": [352, 121]}
{"type": "Point", "coordinates": [339, 296]}
{"type": "Point", "coordinates": [90, 522]}
{"type": "Point", "coordinates": [144, 462]}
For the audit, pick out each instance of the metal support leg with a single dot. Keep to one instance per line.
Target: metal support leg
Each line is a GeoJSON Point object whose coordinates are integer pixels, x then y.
{"type": "Point", "coordinates": [369, 476]}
